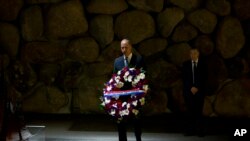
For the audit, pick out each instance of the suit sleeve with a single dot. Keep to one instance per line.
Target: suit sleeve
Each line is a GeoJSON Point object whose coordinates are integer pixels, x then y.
{"type": "Point", "coordinates": [115, 68]}
{"type": "Point", "coordinates": [141, 63]}
{"type": "Point", "coordinates": [204, 74]}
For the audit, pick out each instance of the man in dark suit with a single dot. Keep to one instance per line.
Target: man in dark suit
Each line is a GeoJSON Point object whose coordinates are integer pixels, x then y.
{"type": "Point", "coordinates": [128, 59]}
{"type": "Point", "coordinates": [194, 79]}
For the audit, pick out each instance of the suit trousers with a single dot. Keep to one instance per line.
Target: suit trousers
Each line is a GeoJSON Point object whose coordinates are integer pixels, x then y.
{"type": "Point", "coordinates": [122, 130]}
{"type": "Point", "coordinates": [195, 109]}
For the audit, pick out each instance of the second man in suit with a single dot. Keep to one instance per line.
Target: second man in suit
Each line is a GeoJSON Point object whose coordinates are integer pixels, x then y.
{"type": "Point", "coordinates": [194, 78]}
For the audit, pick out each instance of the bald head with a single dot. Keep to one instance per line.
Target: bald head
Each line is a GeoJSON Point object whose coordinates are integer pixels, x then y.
{"type": "Point", "coordinates": [126, 47]}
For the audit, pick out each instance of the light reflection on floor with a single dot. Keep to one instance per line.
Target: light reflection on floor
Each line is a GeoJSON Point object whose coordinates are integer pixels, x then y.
{"type": "Point", "coordinates": [58, 133]}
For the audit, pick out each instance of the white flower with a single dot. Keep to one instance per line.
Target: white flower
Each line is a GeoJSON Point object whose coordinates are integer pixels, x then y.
{"type": "Point", "coordinates": [119, 72]}
{"type": "Point", "coordinates": [134, 103]}
{"type": "Point", "coordinates": [130, 78]}
{"type": "Point", "coordinates": [142, 76]}
{"type": "Point", "coordinates": [145, 88]}
{"type": "Point", "coordinates": [117, 79]}
{"type": "Point", "coordinates": [114, 105]}
{"type": "Point", "coordinates": [131, 69]}
{"type": "Point", "coordinates": [133, 84]}
{"type": "Point", "coordinates": [124, 112]}
{"type": "Point", "coordinates": [135, 111]}
{"type": "Point", "coordinates": [106, 100]}
{"type": "Point", "coordinates": [112, 112]}
{"type": "Point", "coordinates": [126, 73]}
{"type": "Point", "coordinates": [121, 113]}
{"type": "Point", "coordinates": [125, 78]}
{"type": "Point", "coordinates": [124, 103]}
{"type": "Point", "coordinates": [142, 100]}
{"type": "Point", "coordinates": [111, 80]}
{"type": "Point", "coordinates": [128, 106]}
{"type": "Point", "coordinates": [119, 84]}
{"type": "Point", "coordinates": [135, 81]}
{"type": "Point", "coordinates": [109, 88]}
{"type": "Point", "coordinates": [103, 104]}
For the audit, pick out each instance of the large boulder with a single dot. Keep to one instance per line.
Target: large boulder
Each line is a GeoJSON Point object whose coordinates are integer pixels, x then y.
{"type": "Point", "coordinates": [204, 20]}
{"type": "Point", "coordinates": [128, 25]}
{"type": "Point", "coordinates": [217, 73]}
{"type": "Point", "coordinates": [233, 100]}
{"type": "Point", "coordinates": [176, 97]}
{"type": "Point", "coordinates": [152, 46]}
{"type": "Point", "coordinates": [205, 45]}
{"type": "Point", "coordinates": [111, 52]}
{"type": "Point", "coordinates": [162, 74]}
{"type": "Point", "coordinates": [90, 90]}
{"type": "Point", "coordinates": [106, 6]}
{"type": "Point", "coordinates": [178, 53]}
{"type": "Point", "coordinates": [101, 28]}
{"type": "Point", "coordinates": [42, 1]}
{"type": "Point", "coordinates": [101, 68]}
{"type": "Point", "coordinates": [32, 27]}
{"type": "Point", "coordinates": [22, 76]}
{"type": "Point", "coordinates": [168, 19]}
{"type": "Point", "coordinates": [9, 9]}
{"type": "Point", "coordinates": [230, 37]}
{"type": "Point", "coordinates": [236, 67]}
{"type": "Point", "coordinates": [66, 19]}
{"type": "Point", "coordinates": [187, 4]}
{"type": "Point", "coordinates": [83, 49]}
{"type": "Point", "coordinates": [70, 74]}
{"type": "Point", "coordinates": [9, 39]}
{"type": "Point", "coordinates": [5, 61]}
{"type": "Point", "coordinates": [43, 52]}
{"type": "Point", "coordinates": [147, 5]}
{"type": "Point", "coordinates": [220, 7]}
{"type": "Point", "coordinates": [184, 32]}
{"type": "Point", "coordinates": [208, 109]}
{"type": "Point", "coordinates": [48, 73]}
{"type": "Point", "coordinates": [157, 104]}
{"type": "Point", "coordinates": [47, 99]}
{"type": "Point", "coordinates": [242, 9]}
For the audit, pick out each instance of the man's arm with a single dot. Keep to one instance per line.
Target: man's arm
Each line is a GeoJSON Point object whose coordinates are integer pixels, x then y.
{"type": "Point", "coordinates": [114, 69]}
{"type": "Point", "coordinates": [141, 62]}
{"type": "Point", "coordinates": [116, 65]}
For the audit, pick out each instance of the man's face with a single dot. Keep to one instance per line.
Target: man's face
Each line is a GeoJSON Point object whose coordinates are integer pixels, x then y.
{"type": "Point", "coordinates": [194, 54]}
{"type": "Point", "coordinates": [126, 48]}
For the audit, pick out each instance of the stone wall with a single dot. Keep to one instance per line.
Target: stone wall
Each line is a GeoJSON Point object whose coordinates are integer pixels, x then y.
{"type": "Point", "coordinates": [57, 54]}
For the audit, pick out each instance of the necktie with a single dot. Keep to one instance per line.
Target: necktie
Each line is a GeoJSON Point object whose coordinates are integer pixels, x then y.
{"type": "Point", "coordinates": [126, 61]}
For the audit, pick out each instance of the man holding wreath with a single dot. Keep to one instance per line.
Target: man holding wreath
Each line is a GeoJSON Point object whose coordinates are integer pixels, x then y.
{"type": "Point", "coordinates": [131, 60]}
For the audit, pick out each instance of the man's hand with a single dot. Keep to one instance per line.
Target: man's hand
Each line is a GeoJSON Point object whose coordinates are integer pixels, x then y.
{"type": "Point", "coordinates": [194, 90]}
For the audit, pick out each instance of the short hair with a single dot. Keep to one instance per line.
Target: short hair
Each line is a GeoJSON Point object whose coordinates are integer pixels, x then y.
{"type": "Point", "coordinates": [195, 49]}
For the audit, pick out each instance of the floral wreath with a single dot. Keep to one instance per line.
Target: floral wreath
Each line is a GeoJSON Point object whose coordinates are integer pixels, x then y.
{"type": "Point", "coordinates": [124, 94]}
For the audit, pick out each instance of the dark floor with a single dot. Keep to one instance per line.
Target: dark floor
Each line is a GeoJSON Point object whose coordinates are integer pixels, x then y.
{"type": "Point", "coordinates": [165, 127]}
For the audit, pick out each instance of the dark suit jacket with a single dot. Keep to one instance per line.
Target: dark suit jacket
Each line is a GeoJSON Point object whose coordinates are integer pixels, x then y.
{"type": "Point", "coordinates": [200, 76]}
{"type": "Point", "coordinates": [136, 61]}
